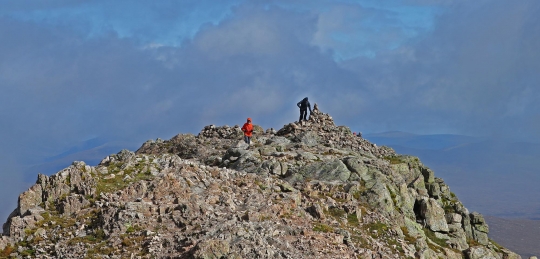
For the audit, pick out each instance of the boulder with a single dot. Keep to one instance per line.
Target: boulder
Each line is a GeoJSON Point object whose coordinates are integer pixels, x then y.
{"type": "Point", "coordinates": [30, 199]}
{"type": "Point", "coordinates": [433, 190]}
{"type": "Point", "coordinates": [72, 204]}
{"type": "Point", "coordinates": [379, 197]}
{"type": "Point", "coordinates": [308, 138]}
{"type": "Point", "coordinates": [453, 218]}
{"type": "Point", "coordinates": [325, 171]}
{"type": "Point", "coordinates": [451, 254]}
{"type": "Point", "coordinates": [480, 228]}
{"type": "Point", "coordinates": [429, 175]}
{"type": "Point", "coordinates": [479, 252]}
{"type": "Point", "coordinates": [433, 214]}
{"type": "Point", "coordinates": [458, 239]}
{"type": "Point", "coordinates": [211, 249]}
{"type": "Point", "coordinates": [356, 165]}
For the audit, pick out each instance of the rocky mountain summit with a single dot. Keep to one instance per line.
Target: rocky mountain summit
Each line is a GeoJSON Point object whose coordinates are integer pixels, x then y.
{"type": "Point", "coordinates": [308, 190]}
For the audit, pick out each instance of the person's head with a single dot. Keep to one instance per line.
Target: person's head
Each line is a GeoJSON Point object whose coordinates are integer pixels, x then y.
{"type": "Point", "coordinates": [249, 120]}
{"type": "Point", "coordinates": [305, 99]}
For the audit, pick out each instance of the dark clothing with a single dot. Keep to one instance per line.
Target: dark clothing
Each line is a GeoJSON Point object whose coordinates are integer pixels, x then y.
{"type": "Point", "coordinates": [247, 139]}
{"type": "Point", "coordinates": [304, 106]}
{"type": "Point", "coordinates": [303, 114]}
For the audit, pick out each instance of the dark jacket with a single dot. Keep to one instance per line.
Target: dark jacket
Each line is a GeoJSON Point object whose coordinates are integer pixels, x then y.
{"type": "Point", "coordinates": [304, 104]}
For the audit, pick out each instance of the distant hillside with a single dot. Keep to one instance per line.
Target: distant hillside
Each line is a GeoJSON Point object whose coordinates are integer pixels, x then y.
{"type": "Point", "coordinates": [415, 141]}
{"type": "Point", "coordinates": [520, 235]}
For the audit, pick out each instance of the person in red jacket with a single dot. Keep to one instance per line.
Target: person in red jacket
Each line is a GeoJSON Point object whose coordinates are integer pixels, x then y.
{"type": "Point", "coordinates": [248, 130]}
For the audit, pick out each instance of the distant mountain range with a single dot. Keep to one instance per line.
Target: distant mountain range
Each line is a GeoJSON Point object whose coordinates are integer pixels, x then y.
{"type": "Point", "coordinates": [493, 176]}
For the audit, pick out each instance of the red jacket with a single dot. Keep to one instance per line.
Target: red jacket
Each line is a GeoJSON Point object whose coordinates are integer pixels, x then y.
{"type": "Point", "coordinates": [247, 129]}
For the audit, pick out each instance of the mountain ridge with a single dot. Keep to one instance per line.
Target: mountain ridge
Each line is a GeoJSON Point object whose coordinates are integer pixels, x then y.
{"type": "Point", "coordinates": [310, 189]}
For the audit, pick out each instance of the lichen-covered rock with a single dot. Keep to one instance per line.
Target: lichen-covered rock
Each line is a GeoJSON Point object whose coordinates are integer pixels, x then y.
{"type": "Point", "coordinates": [433, 215]}
{"type": "Point", "coordinates": [479, 228]}
{"type": "Point", "coordinates": [211, 249]}
{"type": "Point", "coordinates": [479, 252]}
{"type": "Point", "coordinates": [325, 171]}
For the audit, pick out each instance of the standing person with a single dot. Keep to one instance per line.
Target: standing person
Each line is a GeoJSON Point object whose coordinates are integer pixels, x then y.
{"type": "Point", "coordinates": [248, 130]}
{"type": "Point", "coordinates": [304, 105]}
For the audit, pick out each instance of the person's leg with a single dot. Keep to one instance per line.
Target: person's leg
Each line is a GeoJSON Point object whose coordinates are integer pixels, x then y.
{"type": "Point", "coordinates": [304, 114]}
{"type": "Point", "coordinates": [299, 120]}
{"type": "Point", "coordinates": [246, 139]}
{"type": "Point", "coordinates": [249, 140]}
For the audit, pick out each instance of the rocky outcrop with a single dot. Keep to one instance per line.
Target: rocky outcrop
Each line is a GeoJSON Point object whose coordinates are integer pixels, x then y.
{"type": "Point", "coordinates": [51, 193]}
{"type": "Point", "coordinates": [310, 189]}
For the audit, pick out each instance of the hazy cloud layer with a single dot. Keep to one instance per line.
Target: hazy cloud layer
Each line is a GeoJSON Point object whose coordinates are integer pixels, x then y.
{"type": "Point", "coordinates": [71, 71]}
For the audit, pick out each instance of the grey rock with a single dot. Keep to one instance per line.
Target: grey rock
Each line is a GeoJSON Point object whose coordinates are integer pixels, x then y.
{"type": "Point", "coordinates": [73, 204]}
{"type": "Point", "coordinates": [325, 171]}
{"type": "Point", "coordinates": [477, 218]}
{"type": "Point", "coordinates": [479, 252]}
{"type": "Point", "coordinates": [458, 240]}
{"type": "Point", "coordinates": [452, 218]}
{"type": "Point", "coordinates": [481, 237]}
{"type": "Point", "coordinates": [429, 175]}
{"type": "Point", "coordinates": [433, 215]}
{"type": "Point", "coordinates": [309, 138]}
{"type": "Point", "coordinates": [433, 190]}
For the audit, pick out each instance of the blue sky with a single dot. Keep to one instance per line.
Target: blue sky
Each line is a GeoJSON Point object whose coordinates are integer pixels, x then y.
{"type": "Point", "coordinates": [128, 71]}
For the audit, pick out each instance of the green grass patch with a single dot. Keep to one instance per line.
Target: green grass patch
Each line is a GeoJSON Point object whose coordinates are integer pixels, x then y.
{"type": "Point", "coordinates": [261, 185]}
{"type": "Point", "coordinates": [352, 219]}
{"type": "Point", "coordinates": [408, 238]}
{"type": "Point", "coordinates": [117, 183]}
{"type": "Point", "coordinates": [431, 235]}
{"type": "Point", "coordinates": [398, 249]}
{"type": "Point", "coordinates": [394, 160]}
{"type": "Point", "coordinates": [28, 252]}
{"type": "Point", "coordinates": [378, 226]}
{"type": "Point", "coordinates": [269, 217]}
{"type": "Point", "coordinates": [336, 213]}
{"type": "Point", "coordinates": [448, 208]}
{"type": "Point", "coordinates": [132, 228]}
{"type": "Point", "coordinates": [49, 217]}
{"type": "Point", "coordinates": [356, 195]}
{"type": "Point", "coordinates": [497, 246]}
{"type": "Point", "coordinates": [97, 237]}
{"type": "Point", "coordinates": [99, 249]}
{"type": "Point", "coordinates": [472, 242]}
{"type": "Point", "coordinates": [323, 228]}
